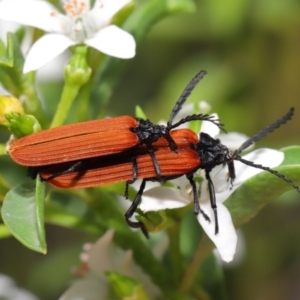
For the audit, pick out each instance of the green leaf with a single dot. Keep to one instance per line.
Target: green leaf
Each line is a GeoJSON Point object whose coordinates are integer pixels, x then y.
{"type": "Point", "coordinates": [259, 190]}
{"type": "Point", "coordinates": [6, 56]}
{"type": "Point", "coordinates": [65, 208]}
{"type": "Point", "coordinates": [212, 278]}
{"type": "Point", "coordinates": [23, 214]}
{"type": "Point", "coordinates": [291, 155]}
{"type": "Point", "coordinates": [11, 65]}
{"type": "Point", "coordinates": [180, 6]}
{"type": "Point", "coordinates": [40, 195]}
{"type": "Point", "coordinates": [13, 79]}
{"type": "Point", "coordinates": [4, 187]}
{"type": "Point", "coordinates": [139, 113]}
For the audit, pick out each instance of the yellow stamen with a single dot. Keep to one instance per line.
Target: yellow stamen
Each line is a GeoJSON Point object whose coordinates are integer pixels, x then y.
{"type": "Point", "coordinates": [76, 7]}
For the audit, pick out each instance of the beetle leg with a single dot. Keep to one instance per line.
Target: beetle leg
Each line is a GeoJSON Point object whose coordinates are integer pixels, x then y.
{"type": "Point", "coordinates": [231, 172]}
{"type": "Point", "coordinates": [133, 208]}
{"type": "Point", "coordinates": [32, 172]}
{"type": "Point", "coordinates": [197, 208]}
{"type": "Point", "coordinates": [77, 166]}
{"type": "Point", "coordinates": [156, 164]}
{"type": "Point", "coordinates": [171, 142]}
{"type": "Point", "coordinates": [212, 197]}
{"type": "Point", "coordinates": [134, 175]}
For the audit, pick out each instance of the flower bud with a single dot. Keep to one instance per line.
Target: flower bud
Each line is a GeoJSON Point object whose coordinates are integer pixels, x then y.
{"type": "Point", "coordinates": [77, 71]}
{"type": "Point", "coordinates": [22, 125]}
{"type": "Point", "coordinates": [9, 104]}
{"type": "Point", "coordinates": [156, 221]}
{"type": "Point", "coordinates": [126, 287]}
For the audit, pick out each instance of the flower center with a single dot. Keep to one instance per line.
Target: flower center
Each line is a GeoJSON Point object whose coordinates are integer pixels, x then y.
{"type": "Point", "coordinates": [77, 12]}
{"type": "Point", "coordinates": [75, 8]}
{"type": "Point", "coordinates": [80, 21]}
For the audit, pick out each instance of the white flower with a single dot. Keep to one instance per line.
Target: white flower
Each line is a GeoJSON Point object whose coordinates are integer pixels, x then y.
{"type": "Point", "coordinates": [9, 290]}
{"type": "Point", "coordinates": [99, 258]}
{"type": "Point", "coordinates": [225, 240]}
{"type": "Point", "coordinates": [159, 197]}
{"type": "Point", "coordinates": [81, 24]}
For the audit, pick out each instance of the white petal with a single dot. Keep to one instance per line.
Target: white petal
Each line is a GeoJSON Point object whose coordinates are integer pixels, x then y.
{"type": "Point", "coordinates": [113, 41]}
{"type": "Point", "coordinates": [188, 109]}
{"type": "Point", "coordinates": [45, 49]}
{"type": "Point", "coordinates": [182, 184]}
{"type": "Point", "coordinates": [6, 283]}
{"type": "Point", "coordinates": [103, 11]}
{"type": "Point", "coordinates": [221, 197]}
{"type": "Point", "coordinates": [30, 12]}
{"type": "Point", "coordinates": [104, 256]}
{"type": "Point", "coordinates": [149, 185]}
{"type": "Point", "coordinates": [220, 180]}
{"type": "Point", "coordinates": [233, 140]}
{"type": "Point", "coordinates": [267, 157]}
{"type": "Point", "coordinates": [6, 27]}
{"type": "Point", "coordinates": [110, 8]}
{"type": "Point", "coordinates": [204, 107]}
{"type": "Point", "coordinates": [100, 254]}
{"type": "Point", "coordinates": [210, 128]}
{"type": "Point", "coordinates": [9, 290]}
{"type": "Point", "coordinates": [89, 288]}
{"type": "Point", "coordinates": [163, 198]}
{"type": "Point", "coordinates": [125, 266]}
{"type": "Point", "coordinates": [226, 239]}
{"type": "Point", "coordinates": [53, 70]}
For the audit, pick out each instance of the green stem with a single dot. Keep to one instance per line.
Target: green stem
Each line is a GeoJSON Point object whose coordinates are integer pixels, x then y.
{"type": "Point", "coordinates": [77, 74]}
{"type": "Point", "coordinates": [84, 104]}
{"type": "Point", "coordinates": [30, 99]}
{"type": "Point", "coordinates": [40, 194]}
{"type": "Point", "coordinates": [204, 249]}
{"type": "Point", "coordinates": [69, 94]}
{"type": "Point", "coordinates": [3, 149]}
{"type": "Point", "coordinates": [4, 188]}
{"type": "Point", "coordinates": [175, 252]}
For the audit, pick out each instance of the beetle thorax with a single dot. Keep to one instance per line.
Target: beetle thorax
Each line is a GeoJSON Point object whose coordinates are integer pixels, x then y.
{"type": "Point", "coordinates": [147, 132]}
{"type": "Point", "coordinates": [211, 151]}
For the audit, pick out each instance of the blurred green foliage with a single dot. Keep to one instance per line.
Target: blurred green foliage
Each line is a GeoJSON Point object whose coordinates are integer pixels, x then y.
{"type": "Point", "coordinates": [250, 50]}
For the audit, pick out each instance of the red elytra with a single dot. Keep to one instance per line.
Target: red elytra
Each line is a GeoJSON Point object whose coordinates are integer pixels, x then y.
{"type": "Point", "coordinates": [80, 141]}
{"type": "Point", "coordinates": [119, 168]}
{"type": "Point", "coordinates": [75, 141]}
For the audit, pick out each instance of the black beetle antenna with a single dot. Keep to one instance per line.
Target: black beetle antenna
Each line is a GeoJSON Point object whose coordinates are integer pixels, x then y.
{"type": "Point", "coordinates": [184, 95]}
{"type": "Point", "coordinates": [257, 137]}
{"type": "Point", "coordinates": [265, 131]}
{"type": "Point", "coordinates": [251, 164]}
{"type": "Point", "coordinates": [200, 117]}
{"type": "Point", "coordinates": [179, 103]}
